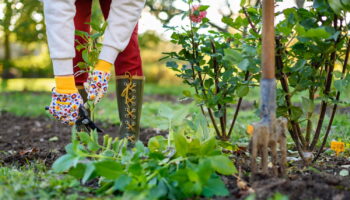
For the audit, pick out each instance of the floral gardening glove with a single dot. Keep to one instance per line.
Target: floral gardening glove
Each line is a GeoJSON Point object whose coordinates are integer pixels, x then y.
{"type": "Point", "coordinates": [97, 83]}
{"type": "Point", "coordinates": [66, 100]}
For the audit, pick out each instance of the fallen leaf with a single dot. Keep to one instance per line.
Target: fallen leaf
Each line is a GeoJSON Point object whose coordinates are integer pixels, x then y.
{"type": "Point", "coordinates": [28, 151]}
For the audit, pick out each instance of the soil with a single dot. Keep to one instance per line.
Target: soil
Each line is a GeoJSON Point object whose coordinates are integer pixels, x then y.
{"type": "Point", "coordinates": [26, 139]}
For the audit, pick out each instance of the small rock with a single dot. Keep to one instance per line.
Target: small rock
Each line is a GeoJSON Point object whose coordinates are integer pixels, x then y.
{"type": "Point", "coordinates": [53, 139]}
{"type": "Point", "coordinates": [344, 172]}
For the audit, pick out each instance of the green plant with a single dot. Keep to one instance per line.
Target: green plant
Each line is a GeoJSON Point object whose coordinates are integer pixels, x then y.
{"type": "Point", "coordinates": [185, 167]}
{"type": "Point", "coordinates": [221, 67]}
{"type": "Point", "coordinates": [310, 44]}
{"type": "Point", "coordinates": [35, 182]}
{"type": "Point", "coordinates": [90, 49]}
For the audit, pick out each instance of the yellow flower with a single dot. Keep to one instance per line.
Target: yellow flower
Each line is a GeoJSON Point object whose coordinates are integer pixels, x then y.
{"type": "Point", "coordinates": [338, 147]}
{"type": "Point", "coordinates": [250, 129]}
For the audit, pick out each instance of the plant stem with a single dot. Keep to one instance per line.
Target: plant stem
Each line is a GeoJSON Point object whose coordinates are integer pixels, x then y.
{"type": "Point", "coordinates": [237, 108]}
{"type": "Point", "coordinates": [217, 91]}
{"type": "Point", "coordinates": [335, 105]}
{"type": "Point", "coordinates": [295, 131]}
{"type": "Point", "coordinates": [250, 21]}
{"type": "Point", "coordinates": [195, 56]}
{"type": "Point", "coordinates": [328, 83]}
{"type": "Point", "coordinates": [308, 117]}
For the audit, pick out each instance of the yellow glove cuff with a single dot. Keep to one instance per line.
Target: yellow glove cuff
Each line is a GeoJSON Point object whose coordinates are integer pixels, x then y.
{"type": "Point", "coordinates": [103, 66]}
{"type": "Point", "coordinates": [65, 84]}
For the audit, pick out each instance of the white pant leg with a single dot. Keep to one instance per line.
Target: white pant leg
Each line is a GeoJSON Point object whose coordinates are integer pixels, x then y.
{"type": "Point", "coordinates": [59, 20]}
{"type": "Point", "coordinates": [122, 19]}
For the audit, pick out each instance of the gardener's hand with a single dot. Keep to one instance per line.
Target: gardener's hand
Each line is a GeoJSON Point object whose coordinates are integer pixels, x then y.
{"type": "Point", "coordinates": [66, 100]}
{"type": "Point", "coordinates": [97, 83]}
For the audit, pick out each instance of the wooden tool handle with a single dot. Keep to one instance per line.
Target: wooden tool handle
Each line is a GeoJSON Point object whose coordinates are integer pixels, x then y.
{"type": "Point", "coordinates": [268, 40]}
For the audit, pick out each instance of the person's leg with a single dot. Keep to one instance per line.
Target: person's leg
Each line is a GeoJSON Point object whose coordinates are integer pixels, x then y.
{"type": "Point", "coordinates": [82, 17]}
{"type": "Point", "coordinates": [130, 81]}
{"type": "Point", "coordinates": [128, 61]}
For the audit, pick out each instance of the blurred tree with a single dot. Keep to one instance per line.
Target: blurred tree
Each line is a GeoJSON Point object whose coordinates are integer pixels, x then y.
{"type": "Point", "coordinates": [149, 39]}
{"type": "Point", "coordinates": [24, 23]}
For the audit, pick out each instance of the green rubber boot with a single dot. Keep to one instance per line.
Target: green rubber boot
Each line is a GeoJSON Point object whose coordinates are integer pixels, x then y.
{"type": "Point", "coordinates": [129, 97]}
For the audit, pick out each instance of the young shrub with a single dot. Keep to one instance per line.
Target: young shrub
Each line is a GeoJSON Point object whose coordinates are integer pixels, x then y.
{"type": "Point", "coordinates": [221, 67]}
{"type": "Point", "coordinates": [312, 58]}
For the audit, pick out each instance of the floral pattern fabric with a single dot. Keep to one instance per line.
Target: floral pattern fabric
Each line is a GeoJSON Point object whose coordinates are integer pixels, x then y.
{"type": "Point", "coordinates": [65, 107]}
{"type": "Point", "coordinates": [97, 85]}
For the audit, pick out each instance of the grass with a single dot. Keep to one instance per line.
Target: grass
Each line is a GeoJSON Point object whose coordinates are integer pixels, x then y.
{"type": "Point", "coordinates": [36, 182]}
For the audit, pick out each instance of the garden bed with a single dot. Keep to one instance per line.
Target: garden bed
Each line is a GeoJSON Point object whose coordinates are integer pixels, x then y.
{"type": "Point", "coordinates": [25, 139]}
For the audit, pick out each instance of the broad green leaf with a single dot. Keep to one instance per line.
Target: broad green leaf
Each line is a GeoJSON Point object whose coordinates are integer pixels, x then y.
{"type": "Point", "coordinates": [308, 105]}
{"type": "Point", "coordinates": [85, 55]}
{"type": "Point", "coordinates": [157, 144]}
{"type": "Point", "coordinates": [160, 190]}
{"type": "Point", "coordinates": [192, 175]}
{"type": "Point", "coordinates": [64, 163]}
{"type": "Point", "coordinates": [244, 64]}
{"type": "Point", "coordinates": [109, 169]}
{"type": "Point", "coordinates": [208, 146]}
{"type": "Point", "coordinates": [215, 187]}
{"type": "Point", "coordinates": [297, 112]}
{"type": "Point", "coordinates": [69, 149]}
{"type": "Point", "coordinates": [77, 171]}
{"type": "Point", "coordinates": [242, 90]}
{"type": "Point", "coordinates": [181, 144]}
{"type": "Point", "coordinates": [173, 65]}
{"type": "Point", "coordinates": [319, 32]}
{"type": "Point", "coordinates": [336, 5]}
{"type": "Point", "coordinates": [203, 7]}
{"type": "Point", "coordinates": [339, 85]}
{"type": "Point", "coordinates": [89, 169]}
{"type": "Point", "coordinates": [233, 56]}
{"type": "Point", "coordinates": [84, 137]}
{"type": "Point", "coordinates": [223, 165]}
{"type": "Point", "coordinates": [122, 181]}
{"type": "Point", "coordinates": [204, 170]}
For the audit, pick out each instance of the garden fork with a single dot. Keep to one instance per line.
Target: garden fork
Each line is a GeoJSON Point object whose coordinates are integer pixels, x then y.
{"type": "Point", "coordinates": [265, 138]}
{"type": "Point", "coordinates": [269, 132]}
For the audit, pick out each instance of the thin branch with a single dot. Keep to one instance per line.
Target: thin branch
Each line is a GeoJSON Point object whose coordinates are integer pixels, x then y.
{"type": "Point", "coordinates": [326, 91]}
{"type": "Point", "coordinates": [249, 20]}
{"type": "Point", "coordinates": [237, 108]}
{"type": "Point", "coordinates": [217, 89]}
{"type": "Point", "coordinates": [335, 105]}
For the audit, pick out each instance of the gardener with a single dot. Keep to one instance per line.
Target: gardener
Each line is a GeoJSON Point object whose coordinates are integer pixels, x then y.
{"type": "Point", "coordinates": [120, 46]}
